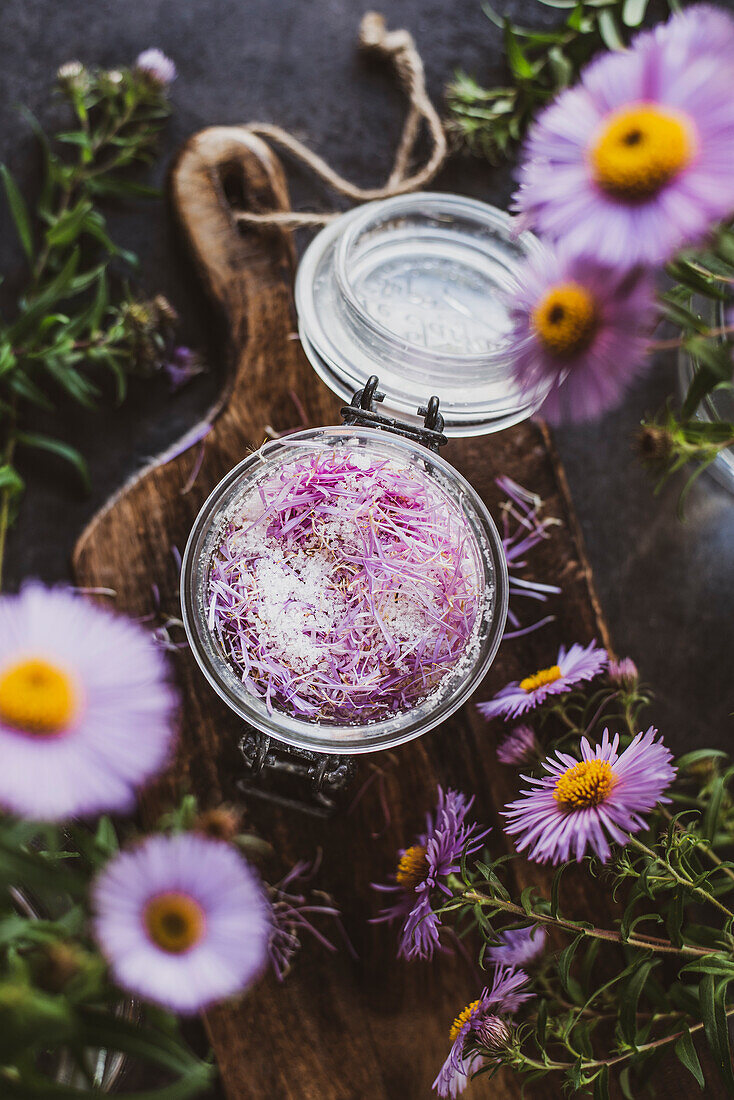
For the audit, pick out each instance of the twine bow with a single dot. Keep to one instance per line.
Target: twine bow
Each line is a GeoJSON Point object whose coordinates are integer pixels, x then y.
{"type": "Point", "coordinates": [399, 48]}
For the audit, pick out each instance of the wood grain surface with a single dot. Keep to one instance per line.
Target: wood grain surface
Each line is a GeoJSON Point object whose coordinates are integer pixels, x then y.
{"type": "Point", "coordinates": [339, 1028]}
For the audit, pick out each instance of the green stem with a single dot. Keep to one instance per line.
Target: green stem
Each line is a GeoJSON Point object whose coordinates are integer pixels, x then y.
{"type": "Point", "coordinates": [702, 845]}
{"type": "Point", "coordinates": [5, 497]}
{"type": "Point", "coordinates": [683, 879]}
{"type": "Point", "coordinates": [647, 943]}
{"type": "Point", "coordinates": [599, 1063]}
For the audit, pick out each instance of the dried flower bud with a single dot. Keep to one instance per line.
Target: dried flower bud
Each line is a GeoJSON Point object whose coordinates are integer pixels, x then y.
{"type": "Point", "coordinates": [519, 747]}
{"type": "Point", "coordinates": [164, 309]}
{"type": "Point", "coordinates": [221, 823]}
{"type": "Point", "coordinates": [156, 67]}
{"type": "Point", "coordinates": [655, 445]}
{"type": "Point", "coordinates": [624, 674]}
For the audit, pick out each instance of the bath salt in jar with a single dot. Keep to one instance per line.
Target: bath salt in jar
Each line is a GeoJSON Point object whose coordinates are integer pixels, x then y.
{"type": "Point", "coordinates": [344, 590]}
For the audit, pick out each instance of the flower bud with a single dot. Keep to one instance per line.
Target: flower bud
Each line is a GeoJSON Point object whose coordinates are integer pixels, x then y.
{"type": "Point", "coordinates": [156, 67]}
{"type": "Point", "coordinates": [519, 746]}
{"type": "Point", "coordinates": [624, 674]}
{"type": "Point", "coordinates": [221, 823]}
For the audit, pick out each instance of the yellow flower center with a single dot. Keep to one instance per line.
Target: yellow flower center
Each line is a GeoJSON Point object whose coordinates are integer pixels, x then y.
{"type": "Point", "coordinates": [412, 867]}
{"type": "Point", "coordinates": [585, 784]}
{"type": "Point", "coordinates": [541, 678]}
{"type": "Point", "coordinates": [564, 319]}
{"type": "Point", "coordinates": [639, 150]}
{"type": "Point", "coordinates": [464, 1016]}
{"type": "Point", "coordinates": [37, 697]}
{"type": "Point", "coordinates": [175, 922]}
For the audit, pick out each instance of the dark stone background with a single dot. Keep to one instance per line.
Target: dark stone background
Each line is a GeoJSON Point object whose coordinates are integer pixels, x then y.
{"type": "Point", "coordinates": [665, 586]}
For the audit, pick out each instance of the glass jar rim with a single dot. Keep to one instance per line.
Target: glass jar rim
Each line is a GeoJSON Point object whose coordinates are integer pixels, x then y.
{"type": "Point", "coordinates": [317, 736]}
{"type": "Point", "coordinates": [440, 202]}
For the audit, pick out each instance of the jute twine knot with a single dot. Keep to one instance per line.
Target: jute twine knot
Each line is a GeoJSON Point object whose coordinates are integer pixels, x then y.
{"type": "Point", "coordinates": [400, 50]}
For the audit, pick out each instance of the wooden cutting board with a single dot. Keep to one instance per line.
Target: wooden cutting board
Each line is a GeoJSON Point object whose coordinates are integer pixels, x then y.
{"type": "Point", "coordinates": [371, 1028]}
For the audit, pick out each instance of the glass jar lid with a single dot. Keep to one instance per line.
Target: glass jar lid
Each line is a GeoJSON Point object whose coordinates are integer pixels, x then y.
{"type": "Point", "coordinates": [417, 289]}
{"type": "Point", "coordinates": [247, 481]}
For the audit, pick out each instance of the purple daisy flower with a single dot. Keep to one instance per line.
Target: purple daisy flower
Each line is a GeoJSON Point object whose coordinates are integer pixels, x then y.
{"type": "Point", "coordinates": [519, 747]}
{"type": "Point", "coordinates": [423, 869]}
{"type": "Point", "coordinates": [481, 1023]}
{"type": "Point", "coordinates": [158, 68]}
{"type": "Point", "coordinates": [182, 921]}
{"type": "Point", "coordinates": [518, 946]}
{"type": "Point", "coordinates": [572, 667]}
{"type": "Point", "coordinates": [581, 327]}
{"type": "Point", "coordinates": [581, 803]}
{"type": "Point", "coordinates": [635, 161]}
{"type": "Point", "coordinates": [86, 712]}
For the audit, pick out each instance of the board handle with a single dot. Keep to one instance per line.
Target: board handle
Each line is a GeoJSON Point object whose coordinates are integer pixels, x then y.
{"type": "Point", "coordinates": [247, 270]}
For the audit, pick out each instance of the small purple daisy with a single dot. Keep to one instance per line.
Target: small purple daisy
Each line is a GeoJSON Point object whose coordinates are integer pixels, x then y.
{"type": "Point", "coordinates": [579, 802]}
{"type": "Point", "coordinates": [583, 329]}
{"type": "Point", "coordinates": [635, 161]}
{"type": "Point", "coordinates": [182, 921]}
{"type": "Point", "coordinates": [423, 869]}
{"type": "Point", "coordinates": [86, 710]}
{"type": "Point", "coordinates": [158, 68]}
{"type": "Point", "coordinates": [519, 747]}
{"type": "Point", "coordinates": [572, 667]}
{"type": "Point", "coordinates": [518, 946]}
{"type": "Point", "coordinates": [481, 1024]}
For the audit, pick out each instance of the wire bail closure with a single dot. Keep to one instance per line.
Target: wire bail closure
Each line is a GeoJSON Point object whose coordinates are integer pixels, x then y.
{"type": "Point", "coordinates": [362, 411]}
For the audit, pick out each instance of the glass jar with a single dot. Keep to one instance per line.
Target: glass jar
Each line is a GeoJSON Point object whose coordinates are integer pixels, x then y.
{"type": "Point", "coordinates": [417, 289]}
{"type": "Point", "coordinates": [326, 736]}
{"type": "Point", "coordinates": [718, 405]}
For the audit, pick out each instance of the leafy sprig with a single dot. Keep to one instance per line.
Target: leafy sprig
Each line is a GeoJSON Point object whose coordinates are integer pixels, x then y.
{"type": "Point", "coordinates": [697, 305]}
{"type": "Point", "coordinates": [74, 319]}
{"type": "Point", "coordinates": [491, 121]}
{"type": "Point", "coordinates": [610, 999]}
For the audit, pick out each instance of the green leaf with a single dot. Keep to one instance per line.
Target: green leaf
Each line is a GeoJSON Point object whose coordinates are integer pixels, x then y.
{"type": "Point", "coordinates": [716, 1028]}
{"type": "Point", "coordinates": [541, 1023]}
{"type": "Point", "coordinates": [630, 1000]}
{"type": "Point", "coordinates": [555, 886]}
{"type": "Point", "coordinates": [516, 58]}
{"type": "Point", "coordinates": [713, 809]}
{"type": "Point", "coordinates": [10, 480]}
{"type": "Point", "coordinates": [685, 1052]}
{"type": "Point", "coordinates": [684, 762]}
{"type": "Point", "coordinates": [68, 227]}
{"type": "Point", "coordinates": [60, 449]}
{"type": "Point", "coordinates": [633, 12]}
{"type": "Point", "coordinates": [51, 293]}
{"type": "Point", "coordinates": [601, 1085]}
{"type": "Point", "coordinates": [19, 210]}
{"type": "Point", "coordinates": [566, 958]}
{"type": "Point", "coordinates": [609, 30]}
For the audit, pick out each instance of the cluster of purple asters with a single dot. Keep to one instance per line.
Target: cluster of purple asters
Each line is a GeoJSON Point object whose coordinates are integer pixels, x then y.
{"type": "Point", "coordinates": [619, 173]}
{"type": "Point", "coordinates": [420, 885]}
